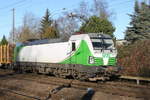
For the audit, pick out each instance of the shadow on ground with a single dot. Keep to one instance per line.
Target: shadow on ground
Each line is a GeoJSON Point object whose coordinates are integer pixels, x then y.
{"type": "Point", "coordinates": [6, 73]}
{"type": "Point", "coordinates": [88, 96]}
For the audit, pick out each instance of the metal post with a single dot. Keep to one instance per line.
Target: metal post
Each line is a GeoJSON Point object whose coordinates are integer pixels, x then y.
{"type": "Point", "coordinates": [138, 82]}
{"type": "Point", "coordinates": [13, 24]}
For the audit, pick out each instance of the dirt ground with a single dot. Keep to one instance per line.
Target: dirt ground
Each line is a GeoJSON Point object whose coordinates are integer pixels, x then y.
{"type": "Point", "coordinates": [12, 88]}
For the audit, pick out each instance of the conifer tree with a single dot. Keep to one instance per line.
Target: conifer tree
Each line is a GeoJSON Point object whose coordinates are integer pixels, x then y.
{"type": "Point", "coordinates": [98, 25]}
{"type": "Point", "coordinates": [3, 41]}
{"type": "Point", "coordinates": [140, 23]}
{"type": "Point", "coordinates": [47, 30]}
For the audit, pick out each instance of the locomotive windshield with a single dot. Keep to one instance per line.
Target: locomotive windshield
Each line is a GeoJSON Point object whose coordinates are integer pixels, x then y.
{"type": "Point", "coordinates": [97, 43]}
{"type": "Point", "coordinates": [108, 43]}
{"type": "Point", "coordinates": [102, 43]}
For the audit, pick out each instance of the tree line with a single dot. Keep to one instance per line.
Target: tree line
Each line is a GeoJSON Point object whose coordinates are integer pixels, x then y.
{"type": "Point", "coordinates": [33, 28]}
{"type": "Point", "coordinates": [135, 56]}
{"type": "Point", "coordinates": [86, 18]}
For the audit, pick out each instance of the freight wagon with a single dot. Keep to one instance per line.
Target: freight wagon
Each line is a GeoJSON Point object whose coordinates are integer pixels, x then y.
{"type": "Point", "coordinates": [6, 55]}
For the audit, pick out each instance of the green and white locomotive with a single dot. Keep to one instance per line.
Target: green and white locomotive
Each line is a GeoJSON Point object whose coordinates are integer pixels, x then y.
{"type": "Point", "coordinates": [83, 56]}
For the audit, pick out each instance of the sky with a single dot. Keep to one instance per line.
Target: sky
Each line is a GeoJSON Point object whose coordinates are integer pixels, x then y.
{"type": "Point", "coordinates": [120, 9]}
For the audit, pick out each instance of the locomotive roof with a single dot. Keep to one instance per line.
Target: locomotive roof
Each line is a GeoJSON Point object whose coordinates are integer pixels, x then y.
{"type": "Point", "coordinates": [78, 37]}
{"type": "Point", "coordinates": [99, 35]}
{"type": "Point", "coordinates": [73, 37]}
{"type": "Point", "coordinates": [44, 41]}
{"type": "Point", "coordinates": [91, 35]}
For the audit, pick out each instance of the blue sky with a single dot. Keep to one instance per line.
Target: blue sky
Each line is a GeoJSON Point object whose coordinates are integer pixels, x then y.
{"type": "Point", "coordinates": [120, 8]}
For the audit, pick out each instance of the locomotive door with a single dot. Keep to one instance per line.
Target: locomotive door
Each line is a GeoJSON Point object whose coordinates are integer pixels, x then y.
{"type": "Point", "coordinates": [73, 49]}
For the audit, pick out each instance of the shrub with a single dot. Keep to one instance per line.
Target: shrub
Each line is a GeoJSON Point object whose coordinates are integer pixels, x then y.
{"type": "Point", "coordinates": [135, 58]}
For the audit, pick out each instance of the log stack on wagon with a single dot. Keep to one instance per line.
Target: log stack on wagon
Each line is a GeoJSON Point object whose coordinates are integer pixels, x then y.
{"type": "Point", "coordinates": [6, 55]}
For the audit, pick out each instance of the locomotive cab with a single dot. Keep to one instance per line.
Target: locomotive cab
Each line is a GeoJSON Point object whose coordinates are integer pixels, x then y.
{"type": "Point", "coordinates": [103, 49]}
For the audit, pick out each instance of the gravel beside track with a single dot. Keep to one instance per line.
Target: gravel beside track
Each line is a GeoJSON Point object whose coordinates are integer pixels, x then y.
{"type": "Point", "coordinates": [14, 86]}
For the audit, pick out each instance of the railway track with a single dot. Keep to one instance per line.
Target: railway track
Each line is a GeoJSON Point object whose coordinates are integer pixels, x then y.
{"type": "Point", "coordinates": [114, 88]}
{"type": "Point", "coordinates": [19, 93]}
{"type": "Point", "coordinates": [118, 87]}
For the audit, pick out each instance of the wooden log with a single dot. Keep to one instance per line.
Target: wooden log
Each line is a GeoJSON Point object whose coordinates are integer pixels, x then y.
{"type": "Point", "coordinates": [0, 54]}
{"type": "Point", "coordinates": [5, 53]}
{"type": "Point", "coordinates": [7, 58]}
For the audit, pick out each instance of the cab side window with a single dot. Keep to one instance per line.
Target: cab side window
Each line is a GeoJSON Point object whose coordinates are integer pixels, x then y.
{"type": "Point", "coordinates": [73, 46]}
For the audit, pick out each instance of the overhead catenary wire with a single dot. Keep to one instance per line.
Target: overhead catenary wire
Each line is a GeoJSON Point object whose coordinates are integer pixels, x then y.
{"type": "Point", "coordinates": [111, 6]}
{"type": "Point", "coordinates": [10, 5]}
{"type": "Point", "coordinates": [120, 3]}
{"type": "Point", "coordinates": [116, 5]}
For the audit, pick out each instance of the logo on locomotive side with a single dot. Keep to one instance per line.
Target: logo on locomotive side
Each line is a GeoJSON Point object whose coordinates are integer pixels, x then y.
{"type": "Point", "coordinates": [106, 55]}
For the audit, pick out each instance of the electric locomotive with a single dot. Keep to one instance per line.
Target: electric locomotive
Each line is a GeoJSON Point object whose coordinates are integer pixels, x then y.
{"type": "Point", "coordinates": [83, 56]}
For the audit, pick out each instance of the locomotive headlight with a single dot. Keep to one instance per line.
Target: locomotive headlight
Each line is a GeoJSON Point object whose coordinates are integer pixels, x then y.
{"type": "Point", "coordinates": [91, 60]}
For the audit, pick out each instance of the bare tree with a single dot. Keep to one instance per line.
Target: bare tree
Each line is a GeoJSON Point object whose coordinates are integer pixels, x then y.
{"type": "Point", "coordinates": [100, 8]}
{"type": "Point", "coordinates": [31, 23]}
{"type": "Point", "coordinates": [13, 37]}
{"type": "Point", "coordinates": [71, 21]}
{"type": "Point", "coordinates": [28, 30]}
{"type": "Point", "coordinates": [83, 10]}
{"type": "Point", "coordinates": [67, 25]}
{"type": "Point", "coordinates": [97, 8]}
